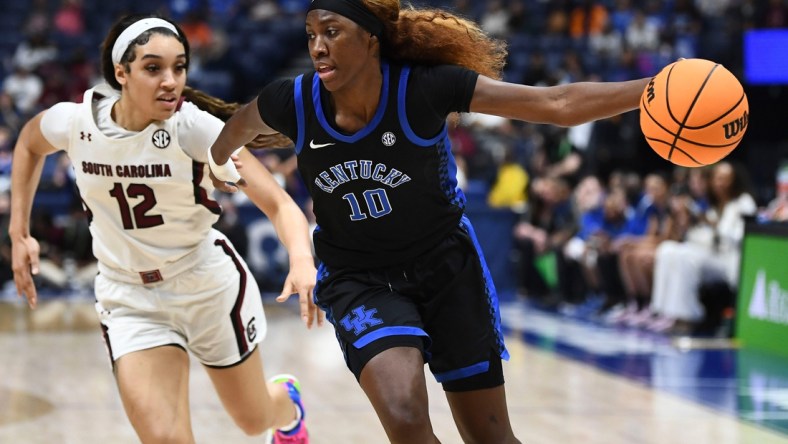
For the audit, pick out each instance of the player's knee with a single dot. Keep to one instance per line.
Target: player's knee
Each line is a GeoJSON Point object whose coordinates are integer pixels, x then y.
{"type": "Point", "coordinates": [407, 415]}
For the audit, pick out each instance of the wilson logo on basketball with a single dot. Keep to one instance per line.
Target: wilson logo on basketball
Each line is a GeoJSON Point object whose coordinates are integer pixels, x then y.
{"type": "Point", "coordinates": [650, 91]}
{"type": "Point", "coordinates": [733, 128]}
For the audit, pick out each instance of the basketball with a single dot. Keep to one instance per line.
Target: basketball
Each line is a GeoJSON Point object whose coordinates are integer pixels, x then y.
{"type": "Point", "coordinates": [694, 112]}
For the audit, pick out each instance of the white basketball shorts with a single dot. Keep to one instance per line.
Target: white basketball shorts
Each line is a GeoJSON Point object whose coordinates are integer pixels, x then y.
{"type": "Point", "coordinates": [213, 309]}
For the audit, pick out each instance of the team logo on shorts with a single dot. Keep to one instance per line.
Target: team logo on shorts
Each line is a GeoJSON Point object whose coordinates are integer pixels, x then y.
{"type": "Point", "coordinates": [161, 138]}
{"type": "Point", "coordinates": [360, 319]}
{"type": "Point", "coordinates": [388, 138]}
{"type": "Point", "coordinates": [251, 330]}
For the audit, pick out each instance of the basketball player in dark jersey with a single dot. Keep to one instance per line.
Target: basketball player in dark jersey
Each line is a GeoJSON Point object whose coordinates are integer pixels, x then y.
{"type": "Point", "coordinates": [402, 278]}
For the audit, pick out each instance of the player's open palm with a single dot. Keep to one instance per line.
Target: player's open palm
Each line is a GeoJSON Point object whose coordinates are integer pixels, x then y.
{"type": "Point", "coordinates": [301, 280]}
{"type": "Point", "coordinates": [24, 262]}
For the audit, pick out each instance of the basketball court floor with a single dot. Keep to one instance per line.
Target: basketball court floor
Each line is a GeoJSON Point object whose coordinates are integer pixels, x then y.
{"type": "Point", "coordinates": [568, 381]}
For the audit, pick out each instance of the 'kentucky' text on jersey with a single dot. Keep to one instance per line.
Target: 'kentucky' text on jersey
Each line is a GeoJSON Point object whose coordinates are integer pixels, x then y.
{"type": "Point", "coordinates": [365, 185]}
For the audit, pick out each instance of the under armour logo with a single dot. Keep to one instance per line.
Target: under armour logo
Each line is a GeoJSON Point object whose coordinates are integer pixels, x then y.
{"type": "Point", "coordinates": [83, 135]}
{"type": "Point", "coordinates": [363, 319]}
{"type": "Point", "coordinates": [251, 330]}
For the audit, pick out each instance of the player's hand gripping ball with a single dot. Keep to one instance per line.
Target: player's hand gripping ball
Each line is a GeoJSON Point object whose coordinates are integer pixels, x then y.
{"type": "Point", "coordinates": [694, 112]}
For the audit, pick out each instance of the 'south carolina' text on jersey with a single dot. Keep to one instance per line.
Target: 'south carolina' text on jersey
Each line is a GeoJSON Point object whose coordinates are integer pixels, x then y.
{"type": "Point", "coordinates": [329, 180]}
{"type": "Point", "coordinates": [103, 169]}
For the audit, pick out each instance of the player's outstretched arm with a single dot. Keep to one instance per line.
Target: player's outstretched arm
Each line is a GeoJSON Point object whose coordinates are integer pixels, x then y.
{"type": "Point", "coordinates": [29, 153]}
{"type": "Point", "coordinates": [293, 231]}
{"type": "Point", "coordinates": [564, 105]}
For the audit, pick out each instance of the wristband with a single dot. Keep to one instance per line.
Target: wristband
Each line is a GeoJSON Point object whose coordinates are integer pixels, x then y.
{"type": "Point", "coordinates": [225, 172]}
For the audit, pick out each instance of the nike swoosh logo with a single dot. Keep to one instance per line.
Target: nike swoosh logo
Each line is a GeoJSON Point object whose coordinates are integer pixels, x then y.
{"type": "Point", "coordinates": [315, 146]}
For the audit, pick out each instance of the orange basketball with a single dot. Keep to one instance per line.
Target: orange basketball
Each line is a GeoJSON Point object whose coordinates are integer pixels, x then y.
{"type": "Point", "coordinates": [694, 112]}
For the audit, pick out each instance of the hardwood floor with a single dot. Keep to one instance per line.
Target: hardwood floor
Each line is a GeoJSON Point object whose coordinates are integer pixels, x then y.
{"type": "Point", "coordinates": [56, 387]}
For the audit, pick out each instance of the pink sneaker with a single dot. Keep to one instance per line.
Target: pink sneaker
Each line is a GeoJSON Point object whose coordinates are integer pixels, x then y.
{"type": "Point", "coordinates": [297, 435]}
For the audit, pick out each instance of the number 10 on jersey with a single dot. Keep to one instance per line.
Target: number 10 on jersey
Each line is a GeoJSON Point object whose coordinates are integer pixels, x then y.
{"type": "Point", "coordinates": [376, 202]}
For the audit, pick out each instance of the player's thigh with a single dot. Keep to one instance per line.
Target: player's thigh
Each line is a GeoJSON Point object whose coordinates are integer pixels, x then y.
{"type": "Point", "coordinates": [154, 388]}
{"type": "Point", "coordinates": [461, 313]}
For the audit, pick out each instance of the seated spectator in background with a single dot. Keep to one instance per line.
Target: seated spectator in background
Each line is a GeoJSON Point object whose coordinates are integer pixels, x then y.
{"type": "Point", "coordinates": [777, 209]}
{"type": "Point", "coordinates": [35, 51]}
{"type": "Point", "coordinates": [588, 18]}
{"type": "Point", "coordinates": [710, 253]}
{"type": "Point", "coordinates": [588, 196]}
{"type": "Point", "coordinates": [207, 42]}
{"type": "Point", "coordinates": [655, 222]}
{"type": "Point", "coordinates": [642, 34]}
{"type": "Point", "coordinates": [69, 19]}
{"type": "Point", "coordinates": [593, 248]}
{"type": "Point", "coordinates": [511, 183]}
{"type": "Point", "coordinates": [24, 88]}
{"type": "Point", "coordinates": [495, 19]}
{"type": "Point", "coordinates": [775, 15]}
{"type": "Point", "coordinates": [6, 145]}
{"type": "Point", "coordinates": [608, 44]}
{"type": "Point", "coordinates": [542, 233]}
{"type": "Point", "coordinates": [556, 156]}
{"type": "Point", "coordinates": [262, 10]}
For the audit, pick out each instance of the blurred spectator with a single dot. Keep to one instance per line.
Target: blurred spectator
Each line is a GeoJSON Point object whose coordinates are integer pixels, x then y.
{"type": "Point", "coordinates": [588, 18]}
{"type": "Point", "coordinates": [207, 43]}
{"type": "Point", "coordinates": [509, 189]}
{"type": "Point", "coordinates": [536, 73]}
{"type": "Point", "coordinates": [542, 233]}
{"type": "Point", "coordinates": [35, 51]}
{"type": "Point", "coordinates": [622, 15]}
{"type": "Point", "coordinates": [495, 19]}
{"type": "Point", "coordinates": [6, 145]}
{"type": "Point", "coordinates": [9, 114]}
{"type": "Point", "coordinates": [713, 8]}
{"type": "Point", "coordinates": [38, 20]}
{"type": "Point", "coordinates": [592, 248]}
{"type": "Point", "coordinates": [69, 20]}
{"type": "Point", "coordinates": [608, 44]}
{"type": "Point", "coordinates": [709, 254]}
{"type": "Point", "coordinates": [557, 157]}
{"type": "Point", "coordinates": [775, 15]}
{"type": "Point", "coordinates": [522, 20]}
{"type": "Point", "coordinates": [777, 209]}
{"type": "Point", "coordinates": [24, 88]}
{"type": "Point", "coordinates": [650, 226]}
{"type": "Point", "coordinates": [641, 34]}
{"type": "Point", "coordinates": [262, 10]}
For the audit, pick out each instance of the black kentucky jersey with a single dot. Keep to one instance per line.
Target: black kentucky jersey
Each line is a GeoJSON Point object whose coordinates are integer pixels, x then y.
{"type": "Point", "coordinates": [382, 195]}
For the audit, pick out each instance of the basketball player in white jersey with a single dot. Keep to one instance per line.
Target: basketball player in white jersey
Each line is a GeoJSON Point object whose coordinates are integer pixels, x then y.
{"type": "Point", "coordinates": [169, 285]}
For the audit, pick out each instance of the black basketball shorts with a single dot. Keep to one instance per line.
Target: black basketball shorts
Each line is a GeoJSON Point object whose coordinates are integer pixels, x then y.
{"type": "Point", "coordinates": [442, 302]}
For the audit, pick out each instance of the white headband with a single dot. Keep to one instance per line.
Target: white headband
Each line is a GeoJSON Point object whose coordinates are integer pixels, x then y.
{"type": "Point", "coordinates": [135, 30]}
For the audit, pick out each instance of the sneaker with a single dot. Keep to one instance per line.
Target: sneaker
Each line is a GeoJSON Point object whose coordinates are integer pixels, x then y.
{"type": "Point", "coordinates": [298, 435]}
{"type": "Point", "coordinates": [618, 314]}
{"type": "Point", "coordinates": [640, 318]}
{"type": "Point", "coordinates": [660, 324]}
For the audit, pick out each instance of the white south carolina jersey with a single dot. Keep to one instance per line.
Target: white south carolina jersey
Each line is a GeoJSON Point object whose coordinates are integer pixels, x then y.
{"type": "Point", "coordinates": [147, 196]}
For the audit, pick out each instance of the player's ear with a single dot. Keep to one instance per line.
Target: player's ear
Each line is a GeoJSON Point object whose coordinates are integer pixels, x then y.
{"type": "Point", "coordinates": [120, 74]}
